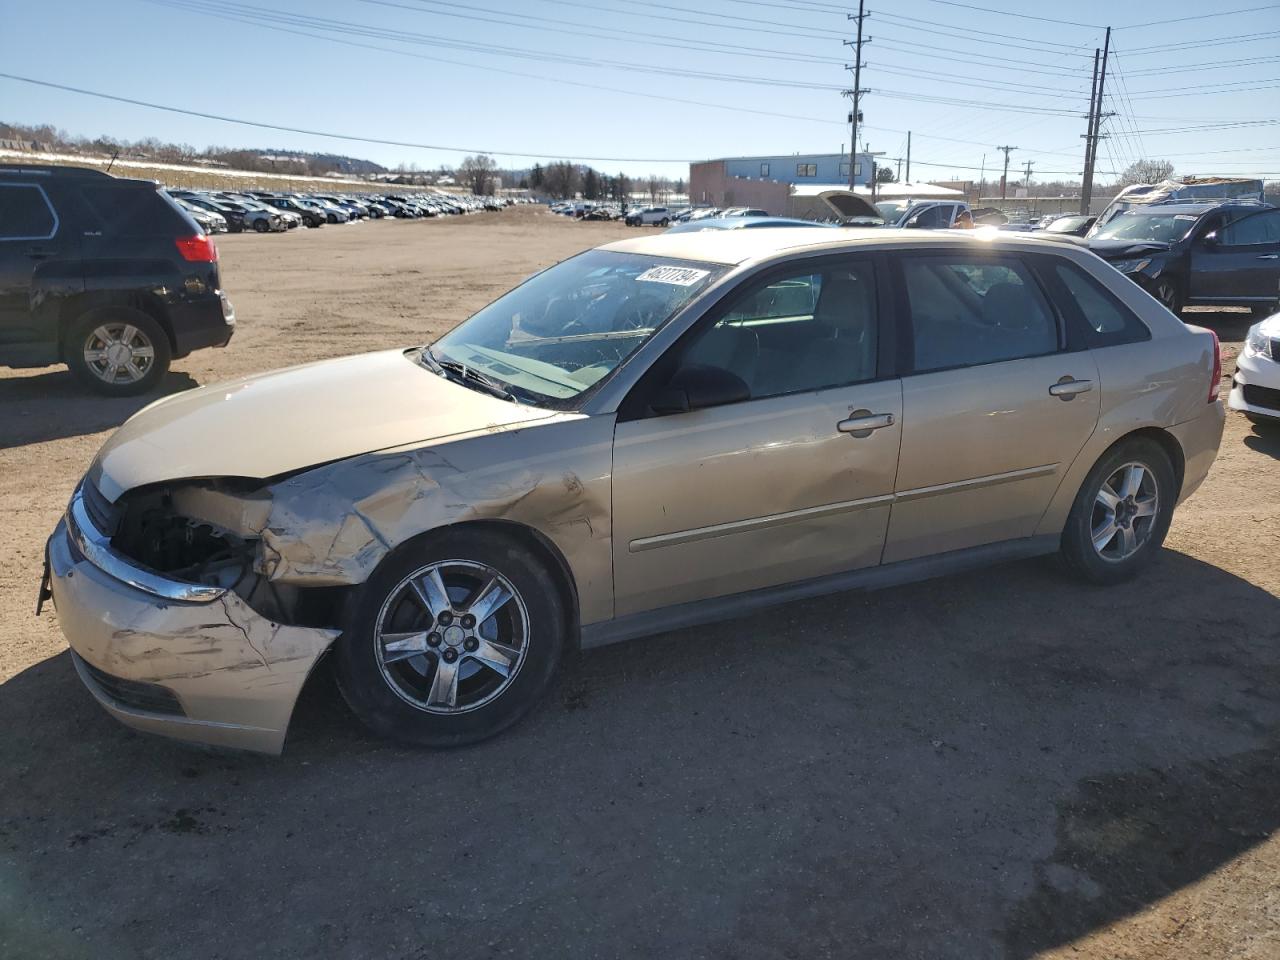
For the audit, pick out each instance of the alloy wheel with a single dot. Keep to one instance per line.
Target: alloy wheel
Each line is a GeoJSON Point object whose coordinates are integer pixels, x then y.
{"type": "Point", "coordinates": [451, 636]}
{"type": "Point", "coordinates": [1125, 511]}
{"type": "Point", "coordinates": [118, 353]}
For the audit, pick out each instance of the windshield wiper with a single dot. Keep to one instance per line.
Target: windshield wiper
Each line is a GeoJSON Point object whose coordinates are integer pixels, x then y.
{"type": "Point", "coordinates": [469, 376]}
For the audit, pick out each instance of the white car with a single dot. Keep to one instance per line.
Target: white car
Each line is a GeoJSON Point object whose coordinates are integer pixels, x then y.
{"type": "Point", "coordinates": [1255, 391]}
{"type": "Point", "coordinates": [649, 216]}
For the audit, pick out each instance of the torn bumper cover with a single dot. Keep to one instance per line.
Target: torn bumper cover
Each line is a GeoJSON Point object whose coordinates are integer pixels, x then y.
{"type": "Point", "coordinates": [185, 660]}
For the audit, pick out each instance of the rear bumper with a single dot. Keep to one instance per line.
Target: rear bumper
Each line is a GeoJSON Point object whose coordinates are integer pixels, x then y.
{"type": "Point", "coordinates": [209, 321]}
{"type": "Point", "coordinates": [213, 672]}
{"type": "Point", "coordinates": [1256, 386]}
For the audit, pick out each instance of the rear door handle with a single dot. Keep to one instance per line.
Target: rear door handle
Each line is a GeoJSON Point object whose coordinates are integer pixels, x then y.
{"type": "Point", "coordinates": [35, 253]}
{"type": "Point", "coordinates": [1066, 388]}
{"type": "Point", "coordinates": [1270, 256]}
{"type": "Point", "coordinates": [862, 422]}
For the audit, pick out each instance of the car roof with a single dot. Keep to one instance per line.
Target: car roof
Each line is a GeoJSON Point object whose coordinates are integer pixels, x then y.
{"type": "Point", "coordinates": [738, 246]}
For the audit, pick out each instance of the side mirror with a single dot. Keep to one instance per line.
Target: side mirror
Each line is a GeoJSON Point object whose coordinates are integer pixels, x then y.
{"type": "Point", "coordinates": [697, 386]}
{"type": "Point", "coordinates": [1211, 239]}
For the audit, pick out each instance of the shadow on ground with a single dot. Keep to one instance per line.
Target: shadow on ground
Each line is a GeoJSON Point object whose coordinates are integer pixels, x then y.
{"type": "Point", "coordinates": [55, 405]}
{"type": "Point", "coordinates": [981, 766]}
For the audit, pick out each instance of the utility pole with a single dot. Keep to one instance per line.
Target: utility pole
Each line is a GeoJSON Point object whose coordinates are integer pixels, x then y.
{"type": "Point", "coordinates": [908, 156]}
{"type": "Point", "coordinates": [1095, 125]}
{"type": "Point", "coordinates": [855, 95]}
{"type": "Point", "coordinates": [1027, 181]}
{"type": "Point", "coordinates": [1004, 180]}
{"type": "Point", "coordinates": [982, 178]}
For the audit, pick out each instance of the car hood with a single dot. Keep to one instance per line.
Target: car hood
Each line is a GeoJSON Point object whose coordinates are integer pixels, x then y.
{"type": "Point", "coordinates": [279, 422]}
{"type": "Point", "coordinates": [1117, 249]}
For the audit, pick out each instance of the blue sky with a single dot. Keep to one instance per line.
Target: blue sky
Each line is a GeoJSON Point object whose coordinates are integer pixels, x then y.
{"type": "Point", "coordinates": [648, 86]}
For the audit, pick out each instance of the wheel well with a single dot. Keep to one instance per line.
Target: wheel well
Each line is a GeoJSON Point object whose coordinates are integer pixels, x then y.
{"type": "Point", "coordinates": [76, 307]}
{"type": "Point", "coordinates": [535, 543]}
{"type": "Point", "coordinates": [1167, 441]}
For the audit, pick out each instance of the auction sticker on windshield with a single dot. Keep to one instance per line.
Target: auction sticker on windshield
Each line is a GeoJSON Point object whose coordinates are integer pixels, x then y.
{"type": "Point", "coordinates": [680, 276]}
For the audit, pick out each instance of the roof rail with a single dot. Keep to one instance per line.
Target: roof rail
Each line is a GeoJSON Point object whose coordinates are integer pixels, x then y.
{"type": "Point", "coordinates": [50, 170]}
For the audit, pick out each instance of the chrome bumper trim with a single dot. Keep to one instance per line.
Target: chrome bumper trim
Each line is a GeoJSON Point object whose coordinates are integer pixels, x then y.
{"type": "Point", "coordinates": [96, 548]}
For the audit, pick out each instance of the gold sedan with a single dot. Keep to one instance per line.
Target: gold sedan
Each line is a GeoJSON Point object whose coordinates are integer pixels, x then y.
{"type": "Point", "coordinates": [653, 434]}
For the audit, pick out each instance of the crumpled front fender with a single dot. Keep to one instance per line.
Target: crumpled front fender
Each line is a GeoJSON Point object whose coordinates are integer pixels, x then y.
{"type": "Point", "coordinates": [333, 525]}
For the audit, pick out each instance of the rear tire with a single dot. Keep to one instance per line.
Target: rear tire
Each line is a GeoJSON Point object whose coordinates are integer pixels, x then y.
{"type": "Point", "coordinates": [437, 678]}
{"type": "Point", "coordinates": [1265, 310]}
{"type": "Point", "coordinates": [261, 225]}
{"type": "Point", "coordinates": [1120, 517]}
{"type": "Point", "coordinates": [120, 339]}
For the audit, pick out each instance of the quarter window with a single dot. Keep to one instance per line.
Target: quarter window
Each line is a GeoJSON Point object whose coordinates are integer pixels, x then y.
{"type": "Point", "coordinates": [805, 331]}
{"type": "Point", "coordinates": [966, 312]}
{"type": "Point", "coordinates": [1102, 313]}
{"type": "Point", "coordinates": [25, 214]}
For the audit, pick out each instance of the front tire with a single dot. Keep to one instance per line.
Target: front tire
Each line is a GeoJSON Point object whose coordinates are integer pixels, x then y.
{"type": "Point", "coordinates": [1121, 514]}
{"type": "Point", "coordinates": [119, 351]}
{"type": "Point", "coordinates": [1166, 291]}
{"type": "Point", "coordinates": [261, 225]}
{"type": "Point", "coordinates": [453, 640]}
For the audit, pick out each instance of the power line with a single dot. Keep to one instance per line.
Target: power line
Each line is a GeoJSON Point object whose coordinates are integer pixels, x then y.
{"type": "Point", "coordinates": [520, 73]}
{"type": "Point", "coordinates": [1195, 44]}
{"type": "Point", "coordinates": [1010, 13]}
{"type": "Point", "coordinates": [355, 138]}
{"type": "Point", "coordinates": [1216, 15]}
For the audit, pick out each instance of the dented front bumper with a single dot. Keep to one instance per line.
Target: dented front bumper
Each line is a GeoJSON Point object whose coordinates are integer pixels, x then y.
{"type": "Point", "coordinates": [174, 658]}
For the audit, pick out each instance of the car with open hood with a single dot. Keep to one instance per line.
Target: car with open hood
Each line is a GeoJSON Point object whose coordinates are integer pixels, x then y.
{"type": "Point", "coordinates": [650, 435]}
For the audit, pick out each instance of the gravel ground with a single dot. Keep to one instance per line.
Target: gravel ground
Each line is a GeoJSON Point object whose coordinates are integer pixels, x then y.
{"type": "Point", "coordinates": [999, 765]}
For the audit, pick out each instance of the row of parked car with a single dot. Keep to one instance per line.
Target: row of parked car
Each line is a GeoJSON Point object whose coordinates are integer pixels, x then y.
{"type": "Point", "coordinates": [275, 212]}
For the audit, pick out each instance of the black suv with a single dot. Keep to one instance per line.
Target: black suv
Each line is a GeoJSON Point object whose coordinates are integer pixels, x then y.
{"type": "Point", "coordinates": [109, 276]}
{"type": "Point", "coordinates": [1192, 254]}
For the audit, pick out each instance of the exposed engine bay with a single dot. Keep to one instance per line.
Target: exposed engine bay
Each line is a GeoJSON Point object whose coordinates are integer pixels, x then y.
{"type": "Point", "coordinates": [210, 532]}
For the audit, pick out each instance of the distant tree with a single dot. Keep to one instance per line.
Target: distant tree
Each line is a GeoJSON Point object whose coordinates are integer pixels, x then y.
{"type": "Point", "coordinates": [477, 173]}
{"type": "Point", "coordinates": [590, 184]}
{"type": "Point", "coordinates": [885, 175]}
{"type": "Point", "coordinates": [1146, 171]}
{"type": "Point", "coordinates": [561, 179]}
{"type": "Point", "coordinates": [680, 185]}
{"type": "Point", "coordinates": [536, 176]}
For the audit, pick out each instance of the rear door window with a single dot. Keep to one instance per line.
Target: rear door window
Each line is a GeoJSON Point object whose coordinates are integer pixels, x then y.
{"type": "Point", "coordinates": [25, 213]}
{"type": "Point", "coordinates": [966, 311]}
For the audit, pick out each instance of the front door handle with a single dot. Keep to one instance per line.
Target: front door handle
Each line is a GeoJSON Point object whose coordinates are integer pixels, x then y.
{"type": "Point", "coordinates": [861, 423]}
{"type": "Point", "coordinates": [1067, 388]}
{"type": "Point", "coordinates": [1270, 256]}
{"type": "Point", "coordinates": [36, 253]}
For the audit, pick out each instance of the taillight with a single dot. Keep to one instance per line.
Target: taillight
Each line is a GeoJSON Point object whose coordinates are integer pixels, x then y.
{"type": "Point", "coordinates": [1217, 368]}
{"type": "Point", "coordinates": [197, 249]}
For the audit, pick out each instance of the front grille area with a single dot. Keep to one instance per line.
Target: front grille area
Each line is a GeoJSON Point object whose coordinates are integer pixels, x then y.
{"type": "Point", "coordinates": [133, 694]}
{"type": "Point", "coordinates": [1262, 396]}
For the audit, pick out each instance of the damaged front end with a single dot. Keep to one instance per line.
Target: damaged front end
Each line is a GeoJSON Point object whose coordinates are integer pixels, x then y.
{"type": "Point", "coordinates": [211, 533]}
{"type": "Point", "coordinates": [171, 626]}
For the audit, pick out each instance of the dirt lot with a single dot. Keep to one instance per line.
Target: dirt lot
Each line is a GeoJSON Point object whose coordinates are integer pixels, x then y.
{"type": "Point", "coordinates": [1004, 764]}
